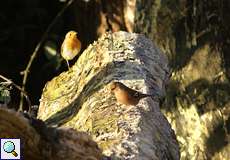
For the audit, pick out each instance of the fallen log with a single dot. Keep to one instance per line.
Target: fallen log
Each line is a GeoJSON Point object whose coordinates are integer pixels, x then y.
{"type": "Point", "coordinates": [80, 98]}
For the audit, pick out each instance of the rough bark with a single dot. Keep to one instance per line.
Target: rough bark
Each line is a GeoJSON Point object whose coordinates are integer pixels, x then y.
{"type": "Point", "coordinates": [40, 142]}
{"type": "Point", "coordinates": [80, 98]}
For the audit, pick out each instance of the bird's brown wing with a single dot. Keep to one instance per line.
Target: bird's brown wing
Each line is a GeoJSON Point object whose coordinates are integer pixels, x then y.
{"type": "Point", "coordinates": [140, 95]}
{"type": "Point", "coordinates": [136, 94]}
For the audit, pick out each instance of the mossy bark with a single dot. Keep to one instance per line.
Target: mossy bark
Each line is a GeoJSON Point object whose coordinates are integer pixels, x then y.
{"type": "Point", "coordinates": [80, 98]}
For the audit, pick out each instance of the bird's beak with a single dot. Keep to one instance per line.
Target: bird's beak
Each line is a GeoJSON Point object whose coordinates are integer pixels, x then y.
{"type": "Point", "coordinates": [112, 87]}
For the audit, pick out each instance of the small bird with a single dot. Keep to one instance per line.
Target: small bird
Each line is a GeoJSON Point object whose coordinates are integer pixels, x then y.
{"type": "Point", "coordinates": [126, 95]}
{"type": "Point", "coordinates": [71, 46]}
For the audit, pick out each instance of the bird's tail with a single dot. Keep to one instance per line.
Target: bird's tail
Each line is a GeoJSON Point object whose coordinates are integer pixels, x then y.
{"type": "Point", "coordinates": [145, 95]}
{"type": "Point", "coordinates": [155, 97]}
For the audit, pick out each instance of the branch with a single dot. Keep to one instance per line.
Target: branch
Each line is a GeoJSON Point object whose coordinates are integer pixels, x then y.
{"type": "Point", "coordinates": [19, 88]}
{"type": "Point", "coordinates": [38, 47]}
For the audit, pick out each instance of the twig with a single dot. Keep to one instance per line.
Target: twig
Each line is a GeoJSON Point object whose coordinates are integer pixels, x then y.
{"type": "Point", "coordinates": [38, 47]}
{"type": "Point", "coordinates": [19, 88]}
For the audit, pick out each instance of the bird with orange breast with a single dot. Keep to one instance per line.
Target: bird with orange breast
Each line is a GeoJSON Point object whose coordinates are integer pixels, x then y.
{"type": "Point", "coordinates": [71, 46]}
{"type": "Point", "coordinates": [126, 95]}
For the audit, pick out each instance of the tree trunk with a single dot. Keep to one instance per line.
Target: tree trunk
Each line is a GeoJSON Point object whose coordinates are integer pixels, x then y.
{"type": "Point", "coordinates": [193, 34]}
{"type": "Point", "coordinates": [81, 98]}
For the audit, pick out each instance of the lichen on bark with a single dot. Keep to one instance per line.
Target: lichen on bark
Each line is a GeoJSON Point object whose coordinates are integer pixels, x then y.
{"type": "Point", "coordinates": [80, 98]}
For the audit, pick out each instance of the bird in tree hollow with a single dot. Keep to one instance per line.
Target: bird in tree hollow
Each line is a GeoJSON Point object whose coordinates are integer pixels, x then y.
{"type": "Point", "coordinates": [126, 95]}
{"type": "Point", "coordinates": [71, 46]}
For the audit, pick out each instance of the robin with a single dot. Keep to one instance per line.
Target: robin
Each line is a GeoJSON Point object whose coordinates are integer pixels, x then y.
{"type": "Point", "coordinates": [126, 95]}
{"type": "Point", "coordinates": [71, 46]}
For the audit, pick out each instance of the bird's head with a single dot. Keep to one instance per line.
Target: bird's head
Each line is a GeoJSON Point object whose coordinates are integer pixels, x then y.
{"type": "Point", "coordinates": [116, 85]}
{"type": "Point", "coordinates": [71, 34]}
{"type": "Point", "coordinates": [113, 86]}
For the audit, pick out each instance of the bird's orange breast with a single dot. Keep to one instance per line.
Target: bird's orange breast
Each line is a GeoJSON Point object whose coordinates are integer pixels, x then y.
{"type": "Point", "coordinates": [70, 48]}
{"type": "Point", "coordinates": [125, 98]}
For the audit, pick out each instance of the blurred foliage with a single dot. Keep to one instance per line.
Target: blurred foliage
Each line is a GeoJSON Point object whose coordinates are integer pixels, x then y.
{"type": "Point", "coordinates": [5, 97]}
{"type": "Point", "coordinates": [22, 24]}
